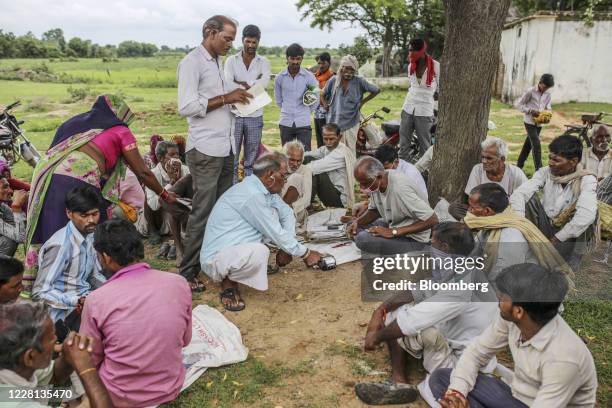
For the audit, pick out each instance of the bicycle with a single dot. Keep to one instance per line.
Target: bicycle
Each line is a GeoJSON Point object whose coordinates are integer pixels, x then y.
{"type": "Point", "coordinates": [588, 121]}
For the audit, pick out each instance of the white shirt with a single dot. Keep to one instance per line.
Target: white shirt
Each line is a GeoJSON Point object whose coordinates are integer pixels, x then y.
{"type": "Point", "coordinates": [164, 179]}
{"type": "Point", "coordinates": [553, 369]}
{"type": "Point", "coordinates": [424, 162]}
{"type": "Point", "coordinates": [201, 78]}
{"type": "Point", "coordinates": [512, 179]}
{"type": "Point", "coordinates": [420, 98]}
{"type": "Point", "coordinates": [11, 380]}
{"type": "Point", "coordinates": [333, 163]}
{"type": "Point", "coordinates": [301, 180]}
{"type": "Point", "coordinates": [590, 161]}
{"type": "Point", "coordinates": [415, 176]}
{"type": "Point", "coordinates": [258, 72]}
{"type": "Point", "coordinates": [557, 198]}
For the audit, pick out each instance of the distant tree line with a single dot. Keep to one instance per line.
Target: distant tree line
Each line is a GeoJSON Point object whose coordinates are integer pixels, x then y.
{"type": "Point", "coordinates": [53, 44]}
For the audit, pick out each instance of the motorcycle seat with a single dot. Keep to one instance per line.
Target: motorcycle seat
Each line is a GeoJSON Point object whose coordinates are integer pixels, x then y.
{"type": "Point", "coordinates": [390, 127]}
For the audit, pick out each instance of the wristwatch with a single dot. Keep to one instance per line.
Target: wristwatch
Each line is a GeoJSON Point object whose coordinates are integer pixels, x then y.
{"type": "Point", "coordinates": [394, 232]}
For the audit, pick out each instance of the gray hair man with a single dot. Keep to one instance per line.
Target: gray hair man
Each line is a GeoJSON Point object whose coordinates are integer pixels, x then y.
{"type": "Point", "coordinates": [343, 97]}
{"type": "Point", "coordinates": [398, 220]}
{"type": "Point", "coordinates": [491, 169]}
{"type": "Point", "coordinates": [233, 251]}
{"type": "Point", "coordinates": [27, 340]}
{"type": "Point", "coordinates": [297, 191]}
{"type": "Point", "coordinates": [598, 159]}
{"type": "Point", "coordinates": [204, 98]}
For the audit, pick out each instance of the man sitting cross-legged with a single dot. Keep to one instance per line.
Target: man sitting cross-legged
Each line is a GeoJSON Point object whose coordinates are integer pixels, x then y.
{"type": "Point", "coordinates": [398, 220]}
{"type": "Point", "coordinates": [297, 191]}
{"type": "Point", "coordinates": [552, 365]}
{"type": "Point", "coordinates": [140, 320]}
{"type": "Point", "coordinates": [161, 216]}
{"type": "Point", "coordinates": [233, 251]}
{"type": "Point", "coordinates": [501, 232]}
{"type": "Point", "coordinates": [568, 209]}
{"type": "Point", "coordinates": [332, 170]}
{"type": "Point", "coordinates": [436, 330]}
{"type": "Point", "coordinates": [67, 267]}
{"type": "Point", "coordinates": [492, 169]}
{"type": "Point", "coordinates": [27, 340]}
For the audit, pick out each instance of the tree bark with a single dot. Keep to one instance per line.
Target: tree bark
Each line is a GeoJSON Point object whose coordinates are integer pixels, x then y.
{"type": "Point", "coordinates": [468, 65]}
{"type": "Point", "coordinates": [387, 48]}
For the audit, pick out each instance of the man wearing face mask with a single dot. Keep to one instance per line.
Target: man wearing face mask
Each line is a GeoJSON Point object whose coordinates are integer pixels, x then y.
{"type": "Point", "coordinates": [418, 109]}
{"type": "Point", "coordinates": [204, 96]}
{"type": "Point", "coordinates": [598, 159]}
{"type": "Point", "coordinates": [247, 69]}
{"type": "Point", "coordinates": [436, 329]}
{"type": "Point", "coordinates": [332, 170]}
{"type": "Point", "coordinates": [67, 267]}
{"type": "Point", "coordinates": [398, 220]}
{"type": "Point", "coordinates": [290, 85]}
{"type": "Point", "coordinates": [233, 251]}
{"type": "Point", "coordinates": [343, 97]}
{"type": "Point", "coordinates": [568, 209]}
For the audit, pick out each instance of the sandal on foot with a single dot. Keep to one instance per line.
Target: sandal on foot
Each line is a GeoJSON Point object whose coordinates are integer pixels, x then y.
{"type": "Point", "coordinates": [272, 269]}
{"type": "Point", "coordinates": [163, 250]}
{"type": "Point", "coordinates": [386, 393]}
{"type": "Point", "coordinates": [232, 294]}
{"type": "Point", "coordinates": [196, 286]}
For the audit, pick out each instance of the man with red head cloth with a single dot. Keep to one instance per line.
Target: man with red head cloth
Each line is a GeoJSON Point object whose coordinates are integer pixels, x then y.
{"type": "Point", "coordinates": [418, 110]}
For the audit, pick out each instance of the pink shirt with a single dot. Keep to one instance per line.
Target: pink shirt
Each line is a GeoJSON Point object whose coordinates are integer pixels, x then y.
{"type": "Point", "coordinates": [130, 190]}
{"type": "Point", "coordinates": [113, 142]}
{"type": "Point", "coordinates": [140, 320]}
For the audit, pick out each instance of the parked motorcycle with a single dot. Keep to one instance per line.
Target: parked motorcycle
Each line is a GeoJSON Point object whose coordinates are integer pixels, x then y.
{"type": "Point", "coordinates": [369, 137]}
{"type": "Point", "coordinates": [14, 145]}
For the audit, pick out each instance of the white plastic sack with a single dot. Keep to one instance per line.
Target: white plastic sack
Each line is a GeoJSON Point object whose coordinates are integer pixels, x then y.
{"type": "Point", "coordinates": [215, 341]}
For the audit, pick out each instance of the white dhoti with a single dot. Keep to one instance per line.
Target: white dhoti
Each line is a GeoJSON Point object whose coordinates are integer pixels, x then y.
{"type": "Point", "coordinates": [349, 136]}
{"type": "Point", "coordinates": [244, 263]}
{"type": "Point", "coordinates": [429, 344]}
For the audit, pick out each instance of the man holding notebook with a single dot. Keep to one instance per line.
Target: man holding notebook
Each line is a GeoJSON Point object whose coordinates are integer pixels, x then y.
{"type": "Point", "coordinates": [247, 69]}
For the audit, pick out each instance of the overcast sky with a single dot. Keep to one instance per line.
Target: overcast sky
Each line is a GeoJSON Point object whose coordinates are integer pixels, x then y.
{"type": "Point", "coordinates": [165, 22]}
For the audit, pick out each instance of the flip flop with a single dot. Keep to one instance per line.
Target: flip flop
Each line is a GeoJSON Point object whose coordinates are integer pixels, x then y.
{"type": "Point", "coordinates": [196, 286]}
{"type": "Point", "coordinates": [386, 393]}
{"type": "Point", "coordinates": [231, 294]}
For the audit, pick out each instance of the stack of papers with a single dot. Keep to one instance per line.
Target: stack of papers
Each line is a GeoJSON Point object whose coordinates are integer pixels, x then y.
{"type": "Point", "coordinates": [326, 225]}
{"type": "Point", "coordinates": [260, 99]}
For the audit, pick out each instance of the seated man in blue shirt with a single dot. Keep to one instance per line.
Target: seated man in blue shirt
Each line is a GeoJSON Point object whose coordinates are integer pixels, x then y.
{"type": "Point", "coordinates": [249, 212]}
{"type": "Point", "coordinates": [68, 269]}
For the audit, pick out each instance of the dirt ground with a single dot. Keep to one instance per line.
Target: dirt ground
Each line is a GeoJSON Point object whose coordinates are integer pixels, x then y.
{"type": "Point", "coordinates": [315, 321]}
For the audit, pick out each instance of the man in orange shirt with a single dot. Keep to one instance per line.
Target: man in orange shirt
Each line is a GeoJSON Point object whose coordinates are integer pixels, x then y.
{"type": "Point", "coordinates": [322, 75]}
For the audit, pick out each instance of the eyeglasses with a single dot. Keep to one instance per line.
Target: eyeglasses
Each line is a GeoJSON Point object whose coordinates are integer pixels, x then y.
{"type": "Point", "coordinates": [284, 176]}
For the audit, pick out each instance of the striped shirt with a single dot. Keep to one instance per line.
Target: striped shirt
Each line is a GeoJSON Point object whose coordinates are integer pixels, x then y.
{"type": "Point", "coordinates": [61, 284]}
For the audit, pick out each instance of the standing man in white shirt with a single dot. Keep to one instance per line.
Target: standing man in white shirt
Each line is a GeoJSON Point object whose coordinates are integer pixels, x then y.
{"type": "Point", "coordinates": [418, 110]}
{"type": "Point", "coordinates": [203, 96]}
{"type": "Point", "coordinates": [534, 101]}
{"type": "Point", "coordinates": [247, 69]}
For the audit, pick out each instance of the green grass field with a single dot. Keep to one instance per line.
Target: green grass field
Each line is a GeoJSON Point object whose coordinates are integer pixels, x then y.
{"type": "Point", "coordinates": [148, 84]}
